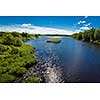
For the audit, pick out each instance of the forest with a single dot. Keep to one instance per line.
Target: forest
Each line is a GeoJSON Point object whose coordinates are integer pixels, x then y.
{"type": "Point", "coordinates": [91, 35]}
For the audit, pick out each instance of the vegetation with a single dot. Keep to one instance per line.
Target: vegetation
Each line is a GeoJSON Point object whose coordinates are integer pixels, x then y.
{"type": "Point", "coordinates": [54, 40]}
{"type": "Point", "coordinates": [32, 79]}
{"type": "Point", "coordinates": [15, 56]}
{"type": "Point", "coordinates": [92, 35]}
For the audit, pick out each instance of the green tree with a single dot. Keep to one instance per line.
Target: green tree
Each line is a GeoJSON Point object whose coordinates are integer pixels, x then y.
{"type": "Point", "coordinates": [97, 34]}
{"type": "Point", "coordinates": [79, 36]}
{"type": "Point", "coordinates": [91, 34]}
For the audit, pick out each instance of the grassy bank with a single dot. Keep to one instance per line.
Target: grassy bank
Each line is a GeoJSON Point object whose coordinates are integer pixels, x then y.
{"type": "Point", "coordinates": [15, 56]}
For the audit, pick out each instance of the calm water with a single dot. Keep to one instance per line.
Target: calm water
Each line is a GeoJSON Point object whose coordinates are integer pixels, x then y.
{"type": "Point", "coordinates": [74, 60]}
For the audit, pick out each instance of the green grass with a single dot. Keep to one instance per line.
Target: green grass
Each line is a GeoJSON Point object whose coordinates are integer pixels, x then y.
{"type": "Point", "coordinates": [32, 79]}
{"type": "Point", "coordinates": [54, 40]}
{"type": "Point", "coordinates": [15, 56]}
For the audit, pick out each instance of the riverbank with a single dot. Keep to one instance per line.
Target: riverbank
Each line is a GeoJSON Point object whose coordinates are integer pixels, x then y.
{"type": "Point", "coordinates": [62, 59]}
{"type": "Point", "coordinates": [18, 62]}
{"type": "Point", "coordinates": [45, 71]}
{"type": "Point", "coordinates": [91, 35]}
{"type": "Point", "coordinates": [15, 56]}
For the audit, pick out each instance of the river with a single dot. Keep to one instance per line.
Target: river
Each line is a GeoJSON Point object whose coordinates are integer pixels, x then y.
{"type": "Point", "coordinates": [68, 61]}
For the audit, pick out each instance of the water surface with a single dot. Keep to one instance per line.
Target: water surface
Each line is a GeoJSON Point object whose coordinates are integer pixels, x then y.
{"type": "Point", "coordinates": [70, 60]}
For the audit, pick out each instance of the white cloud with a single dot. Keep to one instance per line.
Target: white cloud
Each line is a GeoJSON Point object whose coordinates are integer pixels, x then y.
{"type": "Point", "coordinates": [85, 28]}
{"type": "Point", "coordinates": [81, 22]}
{"type": "Point", "coordinates": [77, 31]}
{"type": "Point", "coordinates": [86, 17]}
{"type": "Point", "coordinates": [87, 24]}
{"type": "Point", "coordinates": [29, 28]}
{"type": "Point", "coordinates": [26, 25]}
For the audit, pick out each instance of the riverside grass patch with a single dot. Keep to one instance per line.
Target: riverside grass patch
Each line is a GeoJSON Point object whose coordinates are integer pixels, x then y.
{"type": "Point", "coordinates": [15, 56]}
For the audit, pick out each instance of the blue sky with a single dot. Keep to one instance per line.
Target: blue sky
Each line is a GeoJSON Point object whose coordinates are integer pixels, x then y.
{"type": "Point", "coordinates": [41, 23]}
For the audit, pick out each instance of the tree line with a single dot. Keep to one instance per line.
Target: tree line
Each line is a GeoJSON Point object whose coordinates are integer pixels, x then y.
{"type": "Point", "coordinates": [92, 35]}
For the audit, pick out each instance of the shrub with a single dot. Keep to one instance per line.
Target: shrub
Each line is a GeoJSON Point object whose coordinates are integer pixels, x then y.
{"type": "Point", "coordinates": [15, 56]}
{"type": "Point", "coordinates": [17, 42]}
{"type": "Point", "coordinates": [6, 78]}
{"type": "Point", "coordinates": [20, 71]}
{"type": "Point", "coordinates": [3, 70]}
{"type": "Point", "coordinates": [14, 50]}
{"type": "Point", "coordinates": [32, 79]}
{"type": "Point", "coordinates": [10, 40]}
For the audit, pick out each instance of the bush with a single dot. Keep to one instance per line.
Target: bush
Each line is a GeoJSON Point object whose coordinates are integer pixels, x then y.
{"type": "Point", "coordinates": [6, 78]}
{"type": "Point", "coordinates": [14, 50]}
{"type": "Point", "coordinates": [15, 56]}
{"type": "Point", "coordinates": [3, 48]}
{"type": "Point", "coordinates": [18, 42]}
{"type": "Point", "coordinates": [20, 71]}
{"type": "Point", "coordinates": [3, 70]}
{"type": "Point", "coordinates": [10, 40]}
{"type": "Point", "coordinates": [32, 79]}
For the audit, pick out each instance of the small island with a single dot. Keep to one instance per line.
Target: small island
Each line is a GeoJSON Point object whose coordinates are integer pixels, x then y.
{"type": "Point", "coordinates": [53, 41]}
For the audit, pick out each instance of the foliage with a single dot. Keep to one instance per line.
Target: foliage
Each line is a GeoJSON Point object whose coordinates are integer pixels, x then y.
{"type": "Point", "coordinates": [32, 79]}
{"type": "Point", "coordinates": [15, 56]}
{"type": "Point", "coordinates": [5, 78]}
{"type": "Point", "coordinates": [92, 35]}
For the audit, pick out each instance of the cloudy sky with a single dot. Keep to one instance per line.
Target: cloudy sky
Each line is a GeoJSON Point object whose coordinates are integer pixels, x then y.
{"type": "Point", "coordinates": [48, 24]}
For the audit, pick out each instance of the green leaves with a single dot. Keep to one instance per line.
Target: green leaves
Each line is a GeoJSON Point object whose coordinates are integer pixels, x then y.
{"type": "Point", "coordinates": [32, 79]}
{"type": "Point", "coordinates": [15, 57]}
{"type": "Point", "coordinates": [10, 40]}
{"type": "Point", "coordinates": [92, 35]}
{"type": "Point", "coordinates": [6, 78]}
{"type": "Point", "coordinates": [97, 34]}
